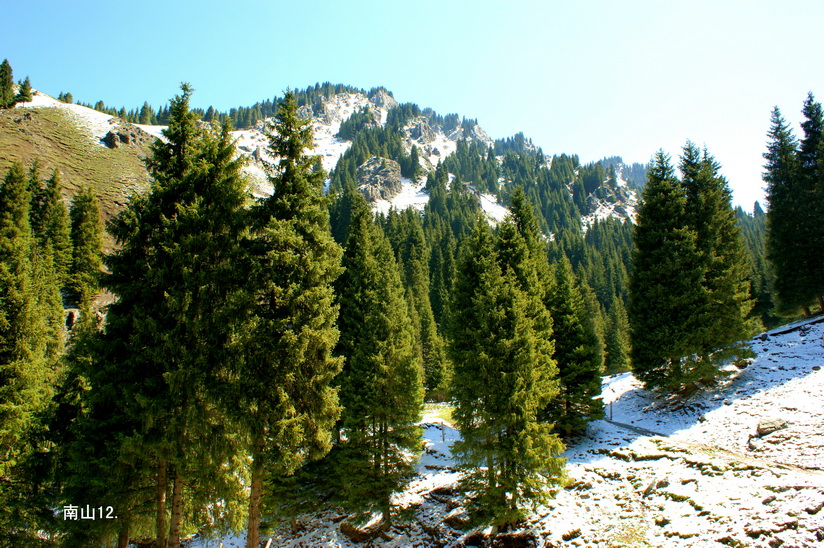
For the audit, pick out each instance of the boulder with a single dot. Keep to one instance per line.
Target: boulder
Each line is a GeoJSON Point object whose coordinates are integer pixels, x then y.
{"type": "Point", "coordinates": [457, 518]}
{"type": "Point", "coordinates": [768, 426]}
{"type": "Point", "coordinates": [363, 533]}
{"type": "Point", "coordinates": [379, 178]}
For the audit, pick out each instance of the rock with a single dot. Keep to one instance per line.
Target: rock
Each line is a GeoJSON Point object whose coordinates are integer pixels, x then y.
{"type": "Point", "coordinates": [768, 426]}
{"type": "Point", "coordinates": [125, 135]}
{"type": "Point", "coordinates": [422, 131]}
{"type": "Point", "coordinates": [381, 98]}
{"type": "Point", "coordinates": [816, 367]}
{"type": "Point", "coordinates": [363, 533]}
{"type": "Point", "coordinates": [379, 178]}
{"type": "Point", "coordinates": [457, 518]}
{"type": "Point", "coordinates": [514, 539]}
{"type": "Point", "coordinates": [447, 490]}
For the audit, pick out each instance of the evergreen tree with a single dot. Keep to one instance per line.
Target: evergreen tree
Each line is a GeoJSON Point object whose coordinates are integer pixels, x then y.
{"type": "Point", "coordinates": [500, 343]}
{"type": "Point", "coordinates": [87, 247]}
{"type": "Point", "coordinates": [405, 231]}
{"type": "Point", "coordinates": [165, 342]}
{"type": "Point", "coordinates": [617, 339]}
{"type": "Point", "coordinates": [576, 353]}
{"type": "Point", "coordinates": [665, 287]}
{"type": "Point", "coordinates": [811, 184]}
{"type": "Point", "coordinates": [31, 340]}
{"type": "Point", "coordinates": [24, 94]}
{"type": "Point", "coordinates": [6, 85]}
{"type": "Point", "coordinates": [381, 386]}
{"type": "Point", "coordinates": [283, 386]}
{"type": "Point", "coordinates": [50, 225]}
{"type": "Point", "coordinates": [785, 250]}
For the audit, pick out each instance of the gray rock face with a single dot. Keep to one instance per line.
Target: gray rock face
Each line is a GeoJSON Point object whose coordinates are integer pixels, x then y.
{"type": "Point", "coordinates": [382, 99]}
{"type": "Point", "coordinates": [422, 131]}
{"type": "Point", "coordinates": [379, 178]}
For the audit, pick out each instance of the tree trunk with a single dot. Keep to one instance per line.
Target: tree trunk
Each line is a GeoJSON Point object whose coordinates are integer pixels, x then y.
{"type": "Point", "coordinates": [806, 310]}
{"type": "Point", "coordinates": [160, 499]}
{"type": "Point", "coordinates": [177, 509]}
{"type": "Point", "coordinates": [253, 530]}
{"type": "Point", "coordinates": [123, 536]}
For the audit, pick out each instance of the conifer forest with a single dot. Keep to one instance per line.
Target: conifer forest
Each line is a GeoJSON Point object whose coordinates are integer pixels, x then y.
{"type": "Point", "coordinates": [249, 339]}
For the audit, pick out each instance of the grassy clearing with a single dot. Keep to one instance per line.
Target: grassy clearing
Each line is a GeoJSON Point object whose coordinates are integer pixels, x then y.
{"type": "Point", "coordinates": [440, 410]}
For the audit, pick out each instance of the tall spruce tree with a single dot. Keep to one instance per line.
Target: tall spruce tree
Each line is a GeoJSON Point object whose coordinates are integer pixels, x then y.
{"type": "Point", "coordinates": [166, 336]}
{"type": "Point", "coordinates": [87, 247]}
{"type": "Point", "coordinates": [690, 297]}
{"type": "Point", "coordinates": [405, 231]}
{"type": "Point", "coordinates": [6, 85]}
{"type": "Point", "coordinates": [785, 249]}
{"type": "Point", "coordinates": [283, 387]}
{"type": "Point", "coordinates": [811, 183]}
{"type": "Point", "coordinates": [381, 385]}
{"type": "Point", "coordinates": [576, 353]}
{"type": "Point", "coordinates": [727, 303]}
{"type": "Point", "coordinates": [50, 224]}
{"type": "Point", "coordinates": [665, 287]}
{"type": "Point", "coordinates": [31, 340]}
{"type": "Point", "coordinates": [500, 343]}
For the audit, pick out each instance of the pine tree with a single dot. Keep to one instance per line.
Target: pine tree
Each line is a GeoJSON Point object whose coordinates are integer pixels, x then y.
{"type": "Point", "coordinates": [617, 339]}
{"type": "Point", "coordinates": [381, 385]}
{"type": "Point", "coordinates": [665, 287]}
{"type": "Point", "coordinates": [811, 183]}
{"type": "Point", "coordinates": [784, 248]}
{"type": "Point", "coordinates": [727, 303]}
{"type": "Point", "coordinates": [50, 225]}
{"type": "Point", "coordinates": [6, 85]}
{"type": "Point", "coordinates": [86, 247]}
{"type": "Point", "coordinates": [31, 340]}
{"type": "Point", "coordinates": [500, 343]}
{"type": "Point", "coordinates": [24, 94]}
{"type": "Point", "coordinates": [405, 231]}
{"type": "Point", "coordinates": [576, 353]}
{"type": "Point", "coordinates": [166, 339]}
{"type": "Point", "coordinates": [290, 326]}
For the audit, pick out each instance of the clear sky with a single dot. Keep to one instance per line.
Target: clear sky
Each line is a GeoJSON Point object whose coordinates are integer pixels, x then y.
{"type": "Point", "coordinates": [593, 78]}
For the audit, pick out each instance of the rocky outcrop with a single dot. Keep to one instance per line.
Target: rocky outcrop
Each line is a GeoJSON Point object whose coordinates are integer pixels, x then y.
{"type": "Point", "coordinates": [123, 135]}
{"type": "Point", "coordinates": [379, 179]}
{"type": "Point", "coordinates": [422, 131]}
{"type": "Point", "coordinates": [381, 98]}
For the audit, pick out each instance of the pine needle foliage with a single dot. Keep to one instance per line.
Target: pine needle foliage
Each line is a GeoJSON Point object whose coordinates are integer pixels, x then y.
{"type": "Point", "coordinates": [283, 389]}
{"type": "Point", "coordinates": [500, 343]}
{"type": "Point", "coordinates": [381, 385]}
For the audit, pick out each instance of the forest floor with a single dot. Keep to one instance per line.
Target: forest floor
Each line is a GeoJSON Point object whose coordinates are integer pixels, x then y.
{"type": "Point", "coordinates": [656, 472]}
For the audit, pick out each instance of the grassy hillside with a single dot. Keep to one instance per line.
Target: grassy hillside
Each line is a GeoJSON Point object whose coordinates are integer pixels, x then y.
{"type": "Point", "coordinates": [58, 140]}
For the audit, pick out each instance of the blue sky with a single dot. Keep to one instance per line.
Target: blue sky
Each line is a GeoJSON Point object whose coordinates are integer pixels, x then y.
{"type": "Point", "coordinates": [593, 78]}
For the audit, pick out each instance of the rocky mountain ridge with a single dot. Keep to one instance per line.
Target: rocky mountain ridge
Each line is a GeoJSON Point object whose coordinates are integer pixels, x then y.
{"type": "Point", "coordinates": [95, 131]}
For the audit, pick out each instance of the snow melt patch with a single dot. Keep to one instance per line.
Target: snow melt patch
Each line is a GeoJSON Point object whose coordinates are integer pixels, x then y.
{"type": "Point", "coordinates": [495, 212]}
{"type": "Point", "coordinates": [411, 195]}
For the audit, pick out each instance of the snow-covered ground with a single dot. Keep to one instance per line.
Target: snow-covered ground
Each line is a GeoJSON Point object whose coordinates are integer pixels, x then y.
{"type": "Point", "coordinates": [657, 472]}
